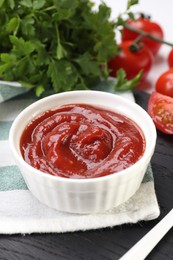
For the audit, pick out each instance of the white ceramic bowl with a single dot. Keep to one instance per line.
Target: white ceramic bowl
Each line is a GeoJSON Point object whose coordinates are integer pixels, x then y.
{"type": "Point", "coordinates": [84, 195]}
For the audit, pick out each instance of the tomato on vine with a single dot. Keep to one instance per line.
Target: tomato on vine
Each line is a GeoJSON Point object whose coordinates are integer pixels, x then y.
{"type": "Point", "coordinates": [133, 59]}
{"type": "Point", "coordinates": [164, 84]}
{"type": "Point", "coordinates": [160, 108]}
{"type": "Point", "coordinates": [146, 25]}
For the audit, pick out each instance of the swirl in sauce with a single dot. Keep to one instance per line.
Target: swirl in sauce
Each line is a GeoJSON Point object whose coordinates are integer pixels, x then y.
{"type": "Point", "coordinates": [81, 141]}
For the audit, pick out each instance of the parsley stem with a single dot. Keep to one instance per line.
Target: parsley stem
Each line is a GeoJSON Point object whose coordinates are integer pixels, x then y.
{"type": "Point", "coordinates": [143, 33]}
{"type": "Point", "coordinates": [49, 8]}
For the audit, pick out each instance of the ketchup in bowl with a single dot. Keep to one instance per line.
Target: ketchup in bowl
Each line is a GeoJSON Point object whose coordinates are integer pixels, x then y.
{"type": "Point", "coordinates": [81, 141]}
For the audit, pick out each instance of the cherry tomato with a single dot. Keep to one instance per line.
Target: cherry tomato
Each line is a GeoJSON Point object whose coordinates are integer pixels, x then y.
{"type": "Point", "coordinates": [131, 61]}
{"type": "Point", "coordinates": [160, 108]}
{"type": "Point", "coordinates": [148, 26]}
{"type": "Point", "coordinates": [170, 59]}
{"type": "Point", "coordinates": [164, 84]}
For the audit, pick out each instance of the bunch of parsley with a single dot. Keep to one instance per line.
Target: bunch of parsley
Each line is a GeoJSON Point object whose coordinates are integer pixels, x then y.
{"type": "Point", "coordinates": [59, 44]}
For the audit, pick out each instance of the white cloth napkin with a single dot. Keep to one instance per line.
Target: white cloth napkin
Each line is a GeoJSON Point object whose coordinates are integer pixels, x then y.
{"type": "Point", "coordinates": [20, 212]}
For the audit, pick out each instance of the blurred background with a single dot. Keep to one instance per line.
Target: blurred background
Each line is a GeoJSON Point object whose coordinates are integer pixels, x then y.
{"type": "Point", "coordinates": [160, 12]}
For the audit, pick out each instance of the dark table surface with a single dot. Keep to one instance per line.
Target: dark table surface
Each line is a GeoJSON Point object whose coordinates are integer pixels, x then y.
{"type": "Point", "coordinates": [104, 244]}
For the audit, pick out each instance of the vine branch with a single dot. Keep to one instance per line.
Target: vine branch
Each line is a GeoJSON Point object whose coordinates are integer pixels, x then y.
{"type": "Point", "coordinates": [150, 36]}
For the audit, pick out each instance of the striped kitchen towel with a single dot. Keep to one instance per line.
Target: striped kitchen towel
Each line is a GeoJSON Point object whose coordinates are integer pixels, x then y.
{"type": "Point", "coordinates": [20, 212]}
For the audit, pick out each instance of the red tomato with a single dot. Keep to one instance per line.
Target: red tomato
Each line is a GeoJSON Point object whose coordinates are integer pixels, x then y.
{"type": "Point", "coordinates": [131, 61]}
{"type": "Point", "coordinates": [148, 26]}
{"type": "Point", "coordinates": [170, 58]}
{"type": "Point", "coordinates": [160, 108]}
{"type": "Point", "coordinates": [164, 84]}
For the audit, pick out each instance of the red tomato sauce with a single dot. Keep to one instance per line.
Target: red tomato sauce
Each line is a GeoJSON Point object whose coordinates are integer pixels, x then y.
{"type": "Point", "coordinates": [81, 141]}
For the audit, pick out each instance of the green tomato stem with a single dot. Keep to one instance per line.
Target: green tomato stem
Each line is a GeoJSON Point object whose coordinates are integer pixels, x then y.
{"type": "Point", "coordinates": [137, 44]}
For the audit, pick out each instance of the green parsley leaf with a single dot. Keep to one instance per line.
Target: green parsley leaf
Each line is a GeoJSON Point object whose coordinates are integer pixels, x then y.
{"type": "Point", "coordinates": [88, 65]}
{"type": "Point", "coordinates": [57, 45]}
{"type": "Point", "coordinates": [26, 3]}
{"type": "Point", "coordinates": [63, 75]}
{"type": "Point", "coordinates": [1, 2]}
{"type": "Point", "coordinates": [131, 15]}
{"type": "Point", "coordinates": [131, 2]}
{"type": "Point", "coordinates": [21, 47]}
{"type": "Point", "coordinates": [60, 51]}
{"type": "Point", "coordinates": [13, 25]}
{"type": "Point", "coordinates": [27, 26]}
{"type": "Point", "coordinates": [38, 4]}
{"type": "Point", "coordinates": [11, 3]}
{"type": "Point", "coordinates": [122, 84]}
{"type": "Point", "coordinates": [39, 90]}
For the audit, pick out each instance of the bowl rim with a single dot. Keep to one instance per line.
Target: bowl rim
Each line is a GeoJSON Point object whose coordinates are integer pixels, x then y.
{"type": "Point", "coordinates": [35, 104]}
